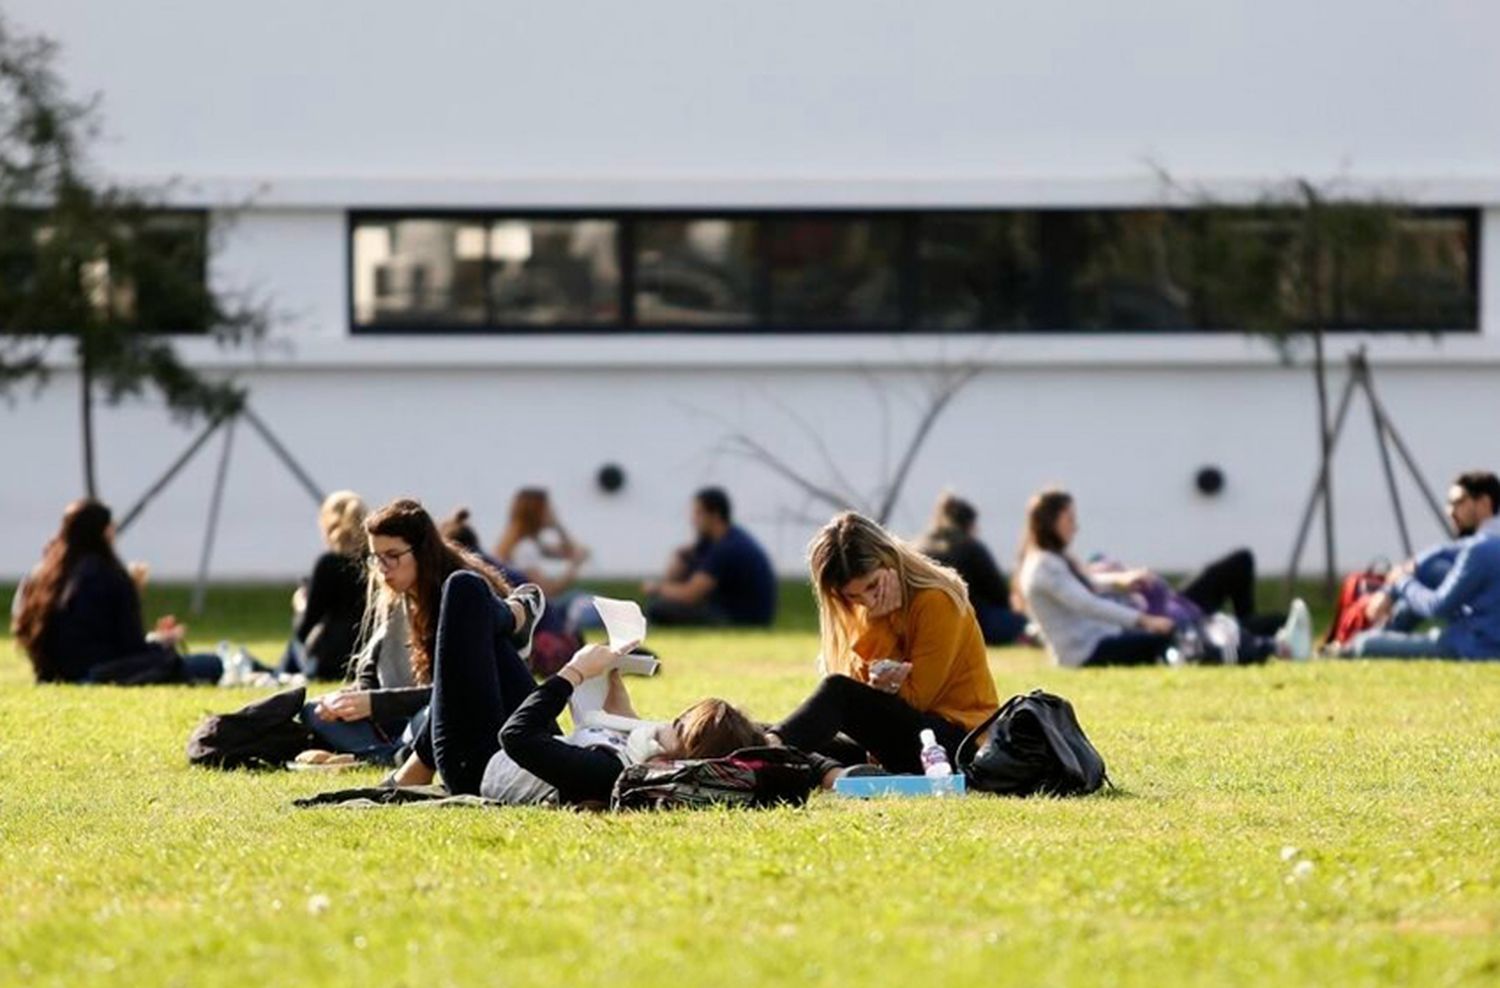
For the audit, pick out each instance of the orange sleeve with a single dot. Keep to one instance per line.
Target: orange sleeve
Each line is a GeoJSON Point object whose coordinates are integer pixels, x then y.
{"type": "Point", "coordinates": [933, 639]}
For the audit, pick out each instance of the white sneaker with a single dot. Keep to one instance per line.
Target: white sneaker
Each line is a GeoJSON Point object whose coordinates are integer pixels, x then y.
{"type": "Point", "coordinates": [1296, 635]}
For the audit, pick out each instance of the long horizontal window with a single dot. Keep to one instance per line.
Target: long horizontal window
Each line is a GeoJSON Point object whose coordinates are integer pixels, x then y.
{"type": "Point", "coordinates": [1183, 270]}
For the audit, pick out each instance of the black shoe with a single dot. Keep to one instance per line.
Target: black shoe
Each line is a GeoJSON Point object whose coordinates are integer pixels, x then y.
{"type": "Point", "coordinates": [534, 603]}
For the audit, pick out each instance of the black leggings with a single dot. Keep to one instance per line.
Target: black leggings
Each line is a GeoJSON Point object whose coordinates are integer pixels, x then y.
{"type": "Point", "coordinates": [1231, 580]}
{"type": "Point", "coordinates": [882, 724]}
{"type": "Point", "coordinates": [478, 681]}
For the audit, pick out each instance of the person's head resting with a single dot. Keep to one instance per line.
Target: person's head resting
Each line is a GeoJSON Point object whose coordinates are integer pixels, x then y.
{"type": "Point", "coordinates": [342, 522]}
{"type": "Point", "coordinates": [409, 558]}
{"type": "Point", "coordinates": [456, 529]}
{"type": "Point", "coordinates": [87, 530]}
{"type": "Point", "coordinates": [711, 728]}
{"type": "Point", "coordinates": [712, 514]}
{"type": "Point", "coordinates": [1473, 500]}
{"type": "Point", "coordinates": [845, 560]}
{"type": "Point", "coordinates": [1051, 522]}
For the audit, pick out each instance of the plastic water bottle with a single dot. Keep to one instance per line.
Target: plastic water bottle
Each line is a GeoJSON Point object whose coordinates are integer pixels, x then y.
{"type": "Point", "coordinates": [934, 758]}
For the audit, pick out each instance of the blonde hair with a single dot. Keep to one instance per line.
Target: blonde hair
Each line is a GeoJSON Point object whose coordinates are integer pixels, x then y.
{"type": "Point", "coordinates": [852, 546]}
{"type": "Point", "coordinates": [342, 519]}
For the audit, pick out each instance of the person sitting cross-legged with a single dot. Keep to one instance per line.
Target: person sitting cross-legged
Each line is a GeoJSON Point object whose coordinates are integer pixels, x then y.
{"type": "Point", "coordinates": [1466, 602]}
{"type": "Point", "coordinates": [725, 577]}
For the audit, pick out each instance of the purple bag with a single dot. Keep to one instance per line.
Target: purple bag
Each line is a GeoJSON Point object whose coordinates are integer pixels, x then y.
{"type": "Point", "coordinates": [1159, 598]}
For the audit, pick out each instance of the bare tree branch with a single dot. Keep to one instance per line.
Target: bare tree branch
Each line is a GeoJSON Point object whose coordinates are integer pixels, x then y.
{"type": "Point", "coordinates": [836, 474]}
{"type": "Point", "coordinates": [742, 445]}
{"type": "Point", "coordinates": [944, 395]}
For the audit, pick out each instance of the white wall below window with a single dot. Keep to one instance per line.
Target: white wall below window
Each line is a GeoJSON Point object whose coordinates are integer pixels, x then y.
{"type": "Point", "coordinates": [1127, 441]}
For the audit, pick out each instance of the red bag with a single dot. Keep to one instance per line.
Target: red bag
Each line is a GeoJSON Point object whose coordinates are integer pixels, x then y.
{"type": "Point", "coordinates": [1349, 617]}
{"type": "Point", "coordinates": [550, 651]}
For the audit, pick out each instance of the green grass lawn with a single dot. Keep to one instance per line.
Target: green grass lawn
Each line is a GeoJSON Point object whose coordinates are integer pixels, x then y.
{"type": "Point", "coordinates": [1322, 823]}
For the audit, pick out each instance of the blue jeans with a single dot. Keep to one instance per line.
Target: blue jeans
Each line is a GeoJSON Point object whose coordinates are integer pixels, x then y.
{"type": "Point", "coordinates": [1000, 625]}
{"type": "Point", "coordinates": [203, 667]}
{"type": "Point", "coordinates": [1401, 645]}
{"type": "Point", "coordinates": [360, 738]}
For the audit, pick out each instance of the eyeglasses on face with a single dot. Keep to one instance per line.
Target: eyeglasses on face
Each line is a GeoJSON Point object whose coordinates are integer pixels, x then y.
{"type": "Point", "coordinates": [389, 559]}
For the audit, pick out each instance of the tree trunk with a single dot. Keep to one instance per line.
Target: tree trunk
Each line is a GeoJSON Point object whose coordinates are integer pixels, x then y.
{"type": "Point", "coordinates": [86, 399]}
{"type": "Point", "coordinates": [1325, 469]}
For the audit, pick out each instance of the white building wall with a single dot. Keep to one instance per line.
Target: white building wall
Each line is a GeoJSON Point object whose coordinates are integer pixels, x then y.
{"type": "Point", "coordinates": [316, 109]}
{"type": "Point", "coordinates": [1127, 439]}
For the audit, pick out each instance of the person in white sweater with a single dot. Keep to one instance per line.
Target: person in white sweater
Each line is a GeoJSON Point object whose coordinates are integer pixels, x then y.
{"type": "Point", "coordinates": [1080, 626]}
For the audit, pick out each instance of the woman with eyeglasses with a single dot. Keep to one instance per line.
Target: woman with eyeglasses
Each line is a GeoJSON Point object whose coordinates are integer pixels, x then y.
{"type": "Point", "coordinates": [468, 630]}
{"type": "Point", "coordinates": [901, 646]}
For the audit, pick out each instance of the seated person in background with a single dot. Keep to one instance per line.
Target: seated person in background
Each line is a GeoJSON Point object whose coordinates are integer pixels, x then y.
{"type": "Point", "coordinates": [725, 577]}
{"type": "Point", "coordinates": [330, 607]}
{"type": "Point", "coordinates": [383, 710]}
{"type": "Point", "coordinates": [951, 541]}
{"type": "Point", "coordinates": [1228, 581]}
{"type": "Point", "coordinates": [456, 529]}
{"type": "Point", "coordinates": [537, 546]}
{"type": "Point", "coordinates": [901, 648]}
{"type": "Point", "coordinates": [1470, 505]}
{"type": "Point", "coordinates": [1083, 627]}
{"type": "Point", "coordinates": [78, 614]}
{"type": "Point", "coordinates": [1467, 601]}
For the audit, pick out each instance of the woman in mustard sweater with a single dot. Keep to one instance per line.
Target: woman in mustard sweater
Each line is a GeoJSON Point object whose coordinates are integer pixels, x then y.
{"type": "Point", "coordinates": [901, 646]}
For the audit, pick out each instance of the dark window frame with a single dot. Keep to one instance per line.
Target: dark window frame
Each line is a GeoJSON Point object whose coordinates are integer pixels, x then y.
{"type": "Point", "coordinates": [909, 320]}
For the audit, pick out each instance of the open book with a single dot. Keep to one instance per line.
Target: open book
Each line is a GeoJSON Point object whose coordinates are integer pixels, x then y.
{"type": "Point", "coordinates": [626, 626]}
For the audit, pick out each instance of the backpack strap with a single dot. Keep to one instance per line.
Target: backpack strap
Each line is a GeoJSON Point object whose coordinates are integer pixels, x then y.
{"type": "Point", "coordinates": [971, 740]}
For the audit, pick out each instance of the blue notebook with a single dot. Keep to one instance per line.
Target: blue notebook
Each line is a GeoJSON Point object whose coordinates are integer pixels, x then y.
{"type": "Point", "coordinates": [871, 786]}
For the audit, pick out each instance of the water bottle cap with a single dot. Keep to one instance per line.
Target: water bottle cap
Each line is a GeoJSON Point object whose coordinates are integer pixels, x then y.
{"type": "Point", "coordinates": [927, 736]}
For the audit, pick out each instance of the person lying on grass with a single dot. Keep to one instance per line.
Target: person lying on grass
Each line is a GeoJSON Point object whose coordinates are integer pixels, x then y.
{"type": "Point", "coordinates": [902, 647]}
{"type": "Point", "coordinates": [535, 765]}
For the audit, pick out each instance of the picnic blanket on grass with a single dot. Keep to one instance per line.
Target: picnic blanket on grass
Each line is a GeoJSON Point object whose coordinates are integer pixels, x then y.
{"type": "Point", "coordinates": [373, 797]}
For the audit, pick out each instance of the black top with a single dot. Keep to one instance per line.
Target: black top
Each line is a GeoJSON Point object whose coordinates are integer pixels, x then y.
{"type": "Point", "coordinates": [580, 775]}
{"type": "Point", "coordinates": [530, 738]}
{"type": "Point", "coordinates": [987, 585]}
{"type": "Point", "coordinates": [330, 624]}
{"type": "Point", "coordinates": [98, 620]}
{"type": "Point", "coordinates": [744, 582]}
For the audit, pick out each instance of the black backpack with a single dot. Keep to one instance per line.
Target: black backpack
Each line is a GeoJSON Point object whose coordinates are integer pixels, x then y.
{"type": "Point", "coordinates": [751, 777]}
{"type": "Point", "coordinates": [264, 734]}
{"type": "Point", "coordinates": [1035, 745]}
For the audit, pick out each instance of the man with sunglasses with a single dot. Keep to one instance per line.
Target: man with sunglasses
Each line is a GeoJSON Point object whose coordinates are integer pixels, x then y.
{"type": "Point", "coordinates": [1457, 584]}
